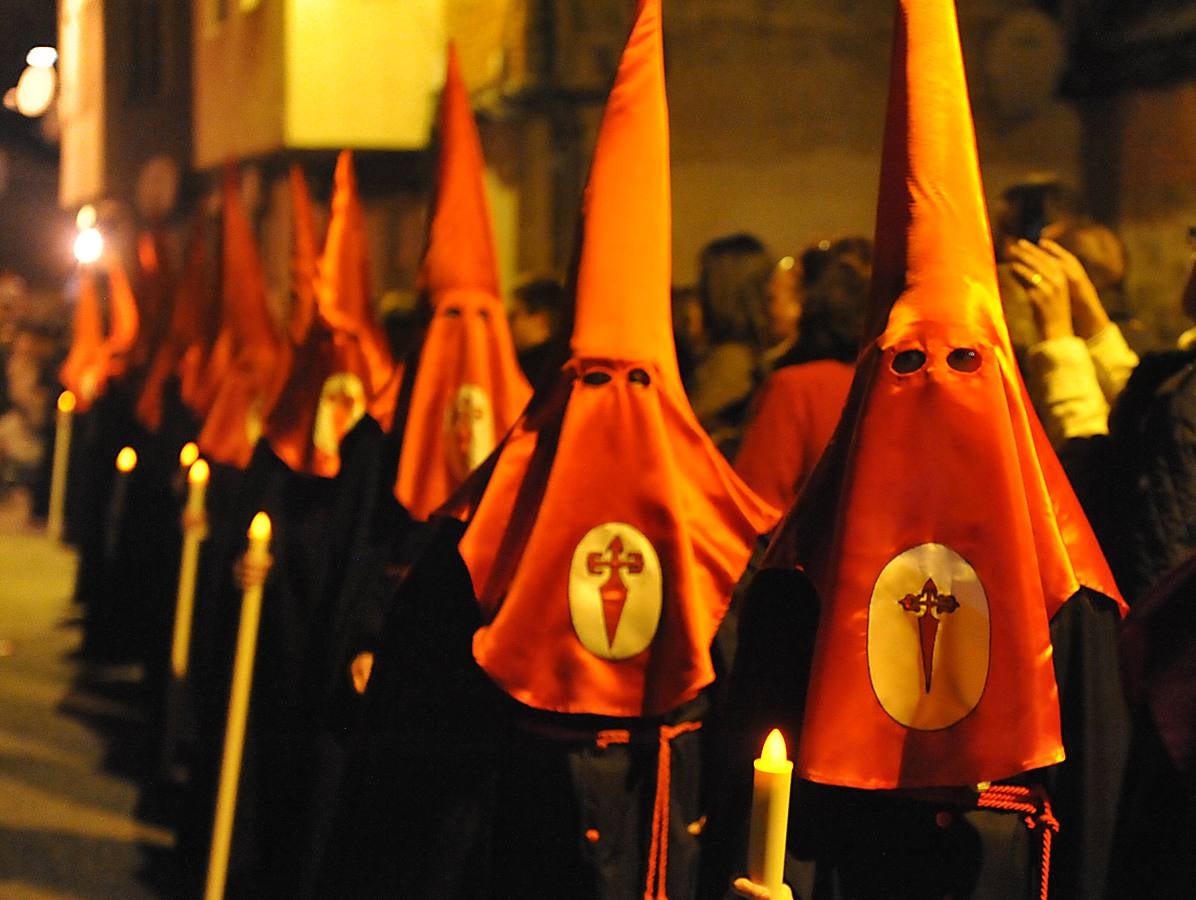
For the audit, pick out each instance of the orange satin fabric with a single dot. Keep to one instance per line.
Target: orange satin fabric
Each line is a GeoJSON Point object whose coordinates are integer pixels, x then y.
{"type": "Point", "coordinates": [796, 413]}
{"type": "Point", "coordinates": [257, 360]}
{"type": "Point", "coordinates": [620, 451]}
{"type": "Point", "coordinates": [304, 258]}
{"type": "Point", "coordinates": [84, 370]}
{"type": "Point", "coordinates": [320, 351]}
{"type": "Point", "coordinates": [123, 319]}
{"type": "Point", "coordinates": [154, 293]}
{"type": "Point", "coordinates": [468, 388]}
{"type": "Point", "coordinates": [936, 455]}
{"type": "Point", "coordinates": [343, 294]}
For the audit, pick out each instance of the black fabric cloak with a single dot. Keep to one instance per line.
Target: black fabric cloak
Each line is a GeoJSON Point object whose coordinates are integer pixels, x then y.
{"type": "Point", "coordinates": [315, 618]}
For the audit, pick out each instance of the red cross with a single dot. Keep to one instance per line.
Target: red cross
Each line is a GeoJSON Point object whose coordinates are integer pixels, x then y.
{"type": "Point", "coordinates": [938, 605]}
{"type": "Point", "coordinates": [613, 591]}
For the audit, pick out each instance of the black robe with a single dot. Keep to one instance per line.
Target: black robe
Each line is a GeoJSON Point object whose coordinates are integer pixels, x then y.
{"type": "Point", "coordinates": [315, 617]}
{"type": "Point", "coordinates": [846, 843]}
{"type": "Point", "coordinates": [457, 791]}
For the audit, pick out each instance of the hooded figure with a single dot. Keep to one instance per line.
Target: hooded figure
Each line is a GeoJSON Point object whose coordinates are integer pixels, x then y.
{"type": "Point", "coordinates": [467, 389]}
{"type": "Point", "coordinates": [541, 685]}
{"type": "Point", "coordinates": [343, 298]}
{"type": "Point", "coordinates": [257, 360]}
{"type": "Point", "coordinates": [945, 548]}
{"type": "Point", "coordinates": [94, 371]}
{"type": "Point", "coordinates": [95, 357]}
{"type": "Point", "coordinates": [301, 693]}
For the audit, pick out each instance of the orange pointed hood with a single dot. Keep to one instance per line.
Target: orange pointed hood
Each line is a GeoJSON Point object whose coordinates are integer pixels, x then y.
{"type": "Point", "coordinates": [195, 323]}
{"type": "Point", "coordinates": [304, 260]}
{"type": "Point", "coordinates": [938, 529]}
{"type": "Point", "coordinates": [124, 321]}
{"type": "Point", "coordinates": [610, 532]}
{"type": "Point", "coordinates": [153, 290]}
{"type": "Point", "coordinates": [84, 369]}
{"type": "Point", "coordinates": [325, 394]}
{"type": "Point", "coordinates": [343, 293]}
{"type": "Point", "coordinates": [258, 361]}
{"type": "Point", "coordinates": [468, 388]}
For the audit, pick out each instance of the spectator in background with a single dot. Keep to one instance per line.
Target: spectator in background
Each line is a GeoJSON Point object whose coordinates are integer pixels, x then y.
{"type": "Point", "coordinates": [782, 311]}
{"type": "Point", "coordinates": [799, 406]}
{"type": "Point", "coordinates": [1150, 513]}
{"type": "Point", "coordinates": [732, 290]}
{"type": "Point", "coordinates": [537, 317]}
{"type": "Point", "coordinates": [816, 258]}
{"type": "Point", "coordinates": [688, 330]}
{"type": "Point", "coordinates": [1079, 362]}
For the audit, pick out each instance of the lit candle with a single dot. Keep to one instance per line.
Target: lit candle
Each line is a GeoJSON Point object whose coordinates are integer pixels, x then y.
{"type": "Point", "coordinates": [188, 455]}
{"type": "Point", "coordinates": [257, 561]}
{"type": "Point", "coordinates": [126, 462]}
{"type": "Point", "coordinates": [770, 815]}
{"type": "Point", "coordinates": [62, 456]}
{"type": "Point", "coordinates": [194, 531]}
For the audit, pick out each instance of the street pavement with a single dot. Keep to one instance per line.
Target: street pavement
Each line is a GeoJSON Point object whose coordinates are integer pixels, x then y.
{"type": "Point", "coordinates": [73, 742]}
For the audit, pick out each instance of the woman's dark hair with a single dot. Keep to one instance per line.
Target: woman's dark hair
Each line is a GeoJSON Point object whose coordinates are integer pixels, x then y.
{"type": "Point", "coordinates": [733, 286]}
{"type": "Point", "coordinates": [832, 316]}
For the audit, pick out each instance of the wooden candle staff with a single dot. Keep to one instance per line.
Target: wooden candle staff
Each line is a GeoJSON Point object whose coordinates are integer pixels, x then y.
{"type": "Point", "coordinates": [195, 529]}
{"type": "Point", "coordinates": [62, 456]}
{"type": "Point", "coordinates": [255, 567]}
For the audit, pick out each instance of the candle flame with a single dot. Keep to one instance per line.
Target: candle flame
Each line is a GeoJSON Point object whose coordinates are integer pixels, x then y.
{"type": "Point", "coordinates": [774, 748]}
{"type": "Point", "coordinates": [259, 528]}
{"type": "Point", "coordinates": [189, 454]}
{"type": "Point", "coordinates": [126, 460]}
{"type": "Point", "coordinates": [89, 245]}
{"type": "Point", "coordinates": [199, 472]}
{"type": "Point", "coordinates": [66, 402]}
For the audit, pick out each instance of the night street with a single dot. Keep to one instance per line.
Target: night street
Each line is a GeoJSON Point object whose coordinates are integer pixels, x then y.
{"type": "Point", "coordinates": [68, 742]}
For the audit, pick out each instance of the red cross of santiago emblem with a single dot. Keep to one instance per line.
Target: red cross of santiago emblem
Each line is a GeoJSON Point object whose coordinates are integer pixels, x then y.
{"type": "Point", "coordinates": [929, 600]}
{"type": "Point", "coordinates": [613, 591]}
{"type": "Point", "coordinates": [615, 597]}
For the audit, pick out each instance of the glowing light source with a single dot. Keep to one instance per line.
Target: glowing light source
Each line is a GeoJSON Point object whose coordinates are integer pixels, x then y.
{"type": "Point", "coordinates": [200, 472]}
{"type": "Point", "coordinates": [89, 245]}
{"type": "Point", "coordinates": [189, 454]}
{"type": "Point", "coordinates": [35, 90]}
{"type": "Point", "coordinates": [259, 528]}
{"type": "Point", "coordinates": [86, 217]}
{"type": "Point", "coordinates": [774, 755]}
{"type": "Point", "coordinates": [126, 460]}
{"type": "Point", "coordinates": [42, 57]}
{"type": "Point", "coordinates": [66, 402]}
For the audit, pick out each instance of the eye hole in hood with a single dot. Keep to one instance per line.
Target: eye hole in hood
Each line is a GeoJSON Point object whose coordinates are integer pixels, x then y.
{"type": "Point", "coordinates": [964, 359]}
{"type": "Point", "coordinates": [908, 361]}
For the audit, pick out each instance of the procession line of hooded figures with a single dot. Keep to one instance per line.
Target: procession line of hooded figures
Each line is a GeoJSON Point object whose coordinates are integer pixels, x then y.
{"type": "Point", "coordinates": [524, 645]}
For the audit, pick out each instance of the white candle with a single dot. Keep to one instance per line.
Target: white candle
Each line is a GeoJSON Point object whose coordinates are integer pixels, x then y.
{"type": "Point", "coordinates": [62, 457]}
{"type": "Point", "coordinates": [257, 560]}
{"type": "Point", "coordinates": [194, 531]}
{"type": "Point", "coordinates": [126, 462]}
{"type": "Point", "coordinates": [772, 778]}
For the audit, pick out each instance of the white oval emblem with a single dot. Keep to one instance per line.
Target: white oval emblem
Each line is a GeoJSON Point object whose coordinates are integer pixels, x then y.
{"type": "Point", "coordinates": [469, 430]}
{"type": "Point", "coordinates": [928, 637]}
{"type": "Point", "coordinates": [341, 406]}
{"type": "Point", "coordinates": [615, 591]}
